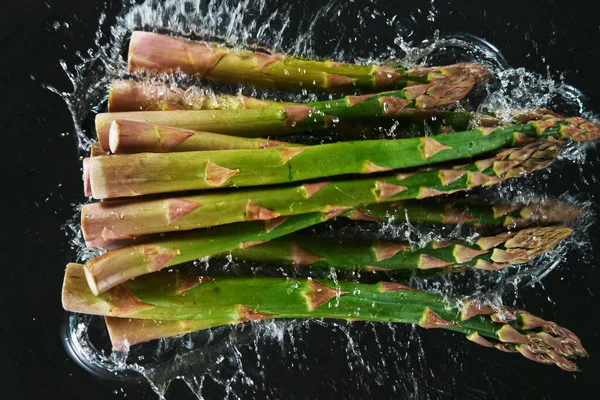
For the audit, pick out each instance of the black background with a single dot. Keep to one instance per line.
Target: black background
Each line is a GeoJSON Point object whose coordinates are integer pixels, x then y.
{"type": "Point", "coordinates": [41, 179]}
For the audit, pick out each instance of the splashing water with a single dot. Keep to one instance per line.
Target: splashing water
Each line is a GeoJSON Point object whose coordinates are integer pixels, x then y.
{"type": "Point", "coordinates": [237, 360]}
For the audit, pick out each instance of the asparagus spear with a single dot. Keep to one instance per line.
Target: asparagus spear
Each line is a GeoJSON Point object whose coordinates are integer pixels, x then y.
{"type": "Point", "coordinates": [174, 296]}
{"type": "Point", "coordinates": [115, 267]}
{"type": "Point", "coordinates": [127, 137]}
{"type": "Point", "coordinates": [152, 52]}
{"type": "Point", "coordinates": [137, 137]}
{"type": "Point", "coordinates": [151, 96]}
{"type": "Point", "coordinates": [489, 253]}
{"type": "Point", "coordinates": [287, 119]}
{"type": "Point", "coordinates": [126, 219]}
{"type": "Point", "coordinates": [513, 216]}
{"type": "Point", "coordinates": [128, 95]}
{"type": "Point", "coordinates": [139, 174]}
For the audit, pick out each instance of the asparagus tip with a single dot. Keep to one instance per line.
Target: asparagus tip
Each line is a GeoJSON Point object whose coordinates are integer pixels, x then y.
{"type": "Point", "coordinates": [475, 71]}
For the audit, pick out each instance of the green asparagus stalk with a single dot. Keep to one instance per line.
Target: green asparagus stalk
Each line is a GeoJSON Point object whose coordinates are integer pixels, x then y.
{"type": "Point", "coordinates": [137, 137]}
{"type": "Point", "coordinates": [126, 219]}
{"type": "Point", "coordinates": [488, 253]}
{"type": "Point", "coordinates": [151, 96]}
{"type": "Point", "coordinates": [174, 296]}
{"type": "Point", "coordinates": [139, 174]}
{"type": "Point", "coordinates": [511, 216]}
{"type": "Point", "coordinates": [287, 119]}
{"type": "Point", "coordinates": [128, 95]}
{"type": "Point", "coordinates": [117, 266]}
{"type": "Point", "coordinates": [126, 137]}
{"type": "Point", "coordinates": [152, 52]}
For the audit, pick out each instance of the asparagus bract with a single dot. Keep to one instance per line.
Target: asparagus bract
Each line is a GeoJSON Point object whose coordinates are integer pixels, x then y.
{"type": "Point", "coordinates": [139, 174]}
{"type": "Point", "coordinates": [489, 253]}
{"type": "Point", "coordinates": [288, 119]}
{"type": "Point", "coordinates": [152, 52]}
{"type": "Point", "coordinates": [127, 219]}
{"type": "Point", "coordinates": [174, 296]}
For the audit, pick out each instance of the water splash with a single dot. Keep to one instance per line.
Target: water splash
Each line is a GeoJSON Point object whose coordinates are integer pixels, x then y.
{"type": "Point", "coordinates": [238, 360]}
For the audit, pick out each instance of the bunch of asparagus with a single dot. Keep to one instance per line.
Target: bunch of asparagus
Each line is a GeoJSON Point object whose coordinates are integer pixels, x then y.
{"type": "Point", "coordinates": [185, 174]}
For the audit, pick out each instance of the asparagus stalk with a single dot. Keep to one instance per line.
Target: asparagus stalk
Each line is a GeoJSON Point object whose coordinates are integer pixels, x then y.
{"type": "Point", "coordinates": [137, 137]}
{"type": "Point", "coordinates": [128, 95]}
{"type": "Point", "coordinates": [152, 52]}
{"type": "Point", "coordinates": [115, 267]}
{"type": "Point", "coordinates": [151, 96]}
{"type": "Point", "coordinates": [287, 119]}
{"type": "Point", "coordinates": [512, 216]}
{"type": "Point", "coordinates": [126, 137]}
{"type": "Point", "coordinates": [174, 296]}
{"type": "Point", "coordinates": [488, 253]}
{"type": "Point", "coordinates": [125, 219]}
{"type": "Point", "coordinates": [139, 174]}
